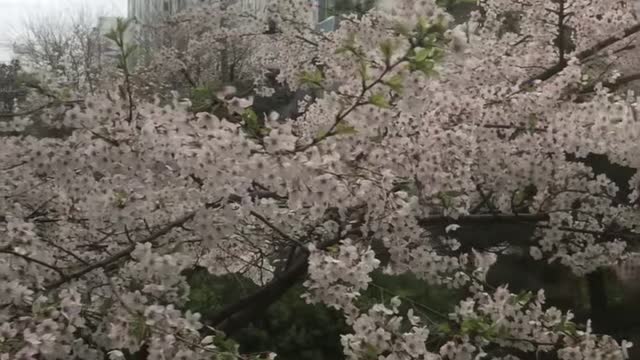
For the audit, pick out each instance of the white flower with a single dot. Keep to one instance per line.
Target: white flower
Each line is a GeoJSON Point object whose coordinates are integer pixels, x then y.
{"type": "Point", "coordinates": [535, 253]}
{"type": "Point", "coordinates": [116, 355]}
{"type": "Point", "coordinates": [451, 227]}
{"type": "Point", "coordinates": [207, 340]}
{"type": "Point", "coordinates": [226, 92]}
{"type": "Point", "coordinates": [238, 105]}
{"type": "Point", "coordinates": [395, 302]}
{"type": "Point", "coordinates": [185, 103]}
{"type": "Point", "coordinates": [625, 346]}
{"type": "Point", "coordinates": [273, 116]}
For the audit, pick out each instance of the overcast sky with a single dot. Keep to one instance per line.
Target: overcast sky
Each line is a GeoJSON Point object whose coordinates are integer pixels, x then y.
{"type": "Point", "coordinates": [14, 12]}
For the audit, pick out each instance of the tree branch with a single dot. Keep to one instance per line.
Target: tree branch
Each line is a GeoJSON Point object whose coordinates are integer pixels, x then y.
{"type": "Point", "coordinates": [278, 231]}
{"type": "Point", "coordinates": [614, 84]}
{"type": "Point", "coordinates": [121, 254]}
{"type": "Point", "coordinates": [39, 108]}
{"type": "Point", "coordinates": [237, 315]}
{"type": "Point", "coordinates": [484, 219]}
{"type": "Point", "coordinates": [554, 70]}
{"type": "Point", "coordinates": [6, 250]}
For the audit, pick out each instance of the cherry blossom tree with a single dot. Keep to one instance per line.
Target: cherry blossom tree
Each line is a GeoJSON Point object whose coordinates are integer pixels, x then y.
{"type": "Point", "coordinates": [203, 48]}
{"type": "Point", "coordinates": [424, 129]}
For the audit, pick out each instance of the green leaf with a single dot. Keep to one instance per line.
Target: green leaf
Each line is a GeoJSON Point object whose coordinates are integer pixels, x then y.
{"type": "Point", "coordinates": [445, 328]}
{"type": "Point", "coordinates": [396, 83]}
{"type": "Point", "coordinates": [341, 50]}
{"type": "Point", "coordinates": [350, 46]}
{"type": "Point", "coordinates": [314, 78]}
{"type": "Point", "coordinates": [424, 59]}
{"type": "Point", "coordinates": [387, 48]}
{"type": "Point", "coordinates": [364, 70]}
{"type": "Point", "coordinates": [379, 100]}
{"type": "Point", "coordinates": [201, 98]}
{"type": "Point", "coordinates": [524, 297]}
{"type": "Point", "coordinates": [426, 67]}
{"type": "Point", "coordinates": [345, 129]}
{"type": "Point", "coordinates": [264, 131]}
{"type": "Point", "coordinates": [252, 126]}
{"type": "Point", "coordinates": [334, 249]}
{"type": "Point", "coordinates": [402, 29]}
{"type": "Point", "coordinates": [139, 328]}
{"type": "Point", "coordinates": [447, 197]}
{"type": "Point", "coordinates": [321, 135]}
{"type": "Point", "coordinates": [370, 352]}
{"type": "Point", "coordinates": [351, 39]}
{"type": "Point", "coordinates": [490, 332]}
{"type": "Point", "coordinates": [570, 328]}
{"type": "Point", "coordinates": [122, 26]}
{"type": "Point", "coordinates": [112, 35]}
{"type": "Point", "coordinates": [225, 344]}
{"type": "Point", "coordinates": [422, 26]}
{"type": "Point", "coordinates": [469, 325]}
{"type": "Point", "coordinates": [251, 121]}
{"type": "Point", "coordinates": [421, 55]}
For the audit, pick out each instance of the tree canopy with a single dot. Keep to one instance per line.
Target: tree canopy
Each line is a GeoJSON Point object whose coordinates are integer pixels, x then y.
{"type": "Point", "coordinates": [419, 133]}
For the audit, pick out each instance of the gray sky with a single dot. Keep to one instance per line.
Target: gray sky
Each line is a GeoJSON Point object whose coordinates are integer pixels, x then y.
{"type": "Point", "coordinates": [13, 13]}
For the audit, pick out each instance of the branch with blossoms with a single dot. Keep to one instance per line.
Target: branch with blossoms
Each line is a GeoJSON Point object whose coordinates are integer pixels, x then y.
{"type": "Point", "coordinates": [561, 65]}
{"type": "Point", "coordinates": [65, 278]}
{"type": "Point", "coordinates": [296, 271]}
{"type": "Point", "coordinates": [49, 105]}
{"type": "Point", "coordinates": [395, 181]}
{"type": "Point", "coordinates": [584, 54]}
{"type": "Point", "coordinates": [612, 85]}
{"type": "Point", "coordinates": [359, 101]}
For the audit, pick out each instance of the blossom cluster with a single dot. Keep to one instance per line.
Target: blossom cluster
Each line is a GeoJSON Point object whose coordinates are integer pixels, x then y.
{"type": "Point", "coordinates": [384, 330]}
{"type": "Point", "coordinates": [520, 322]}
{"type": "Point", "coordinates": [417, 130]}
{"type": "Point", "coordinates": [337, 281]}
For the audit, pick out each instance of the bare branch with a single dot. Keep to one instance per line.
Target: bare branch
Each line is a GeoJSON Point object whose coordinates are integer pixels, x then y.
{"type": "Point", "coordinates": [6, 250]}
{"type": "Point", "coordinates": [278, 231]}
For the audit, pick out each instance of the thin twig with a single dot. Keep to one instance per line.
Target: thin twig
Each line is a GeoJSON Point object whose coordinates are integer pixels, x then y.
{"type": "Point", "coordinates": [277, 230]}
